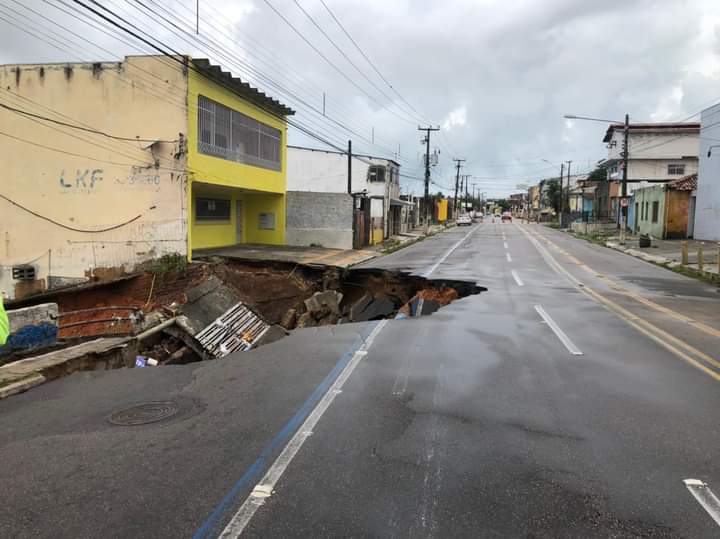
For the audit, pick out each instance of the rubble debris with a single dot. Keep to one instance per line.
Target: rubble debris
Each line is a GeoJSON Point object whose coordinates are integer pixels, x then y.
{"type": "Point", "coordinates": [289, 319]}
{"type": "Point", "coordinates": [322, 301]}
{"type": "Point", "coordinates": [235, 330]}
{"type": "Point", "coordinates": [372, 308]}
{"type": "Point", "coordinates": [215, 308]}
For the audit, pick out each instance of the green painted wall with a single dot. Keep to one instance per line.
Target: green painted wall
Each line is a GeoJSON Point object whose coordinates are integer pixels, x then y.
{"type": "Point", "coordinates": [645, 197]}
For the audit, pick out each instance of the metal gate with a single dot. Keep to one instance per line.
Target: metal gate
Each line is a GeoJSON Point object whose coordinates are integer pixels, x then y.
{"type": "Point", "coordinates": [361, 222]}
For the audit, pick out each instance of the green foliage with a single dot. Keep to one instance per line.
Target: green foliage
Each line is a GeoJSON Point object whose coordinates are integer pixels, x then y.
{"type": "Point", "coordinates": [553, 194]}
{"type": "Point", "coordinates": [599, 174]}
{"type": "Point", "coordinates": [174, 262]}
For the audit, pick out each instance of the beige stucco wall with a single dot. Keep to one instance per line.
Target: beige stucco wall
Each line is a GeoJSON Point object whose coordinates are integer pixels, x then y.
{"type": "Point", "coordinates": [87, 181]}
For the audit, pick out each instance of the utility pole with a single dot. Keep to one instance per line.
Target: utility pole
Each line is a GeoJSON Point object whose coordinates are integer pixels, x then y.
{"type": "Point", "coordinates": [566, 200]}
{"type": "Point", "coordinates": [427, 130]}
{"type": "Point", "coordinates": [349, 167]}
{"type": "Point", "coordinates": [474, 200]}
{"type": "Point", "coordinates": [457, 181]}
{"type": "Point", "coordinates": [466, 176]}
{"type": "Point", "coordinates": [562, 175]}
{"type": "Point", "coordinates": [623, 199]}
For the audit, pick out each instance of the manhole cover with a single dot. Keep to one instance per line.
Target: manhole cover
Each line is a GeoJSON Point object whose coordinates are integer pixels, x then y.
{"type": "Point", "coordinates": [142, 414]}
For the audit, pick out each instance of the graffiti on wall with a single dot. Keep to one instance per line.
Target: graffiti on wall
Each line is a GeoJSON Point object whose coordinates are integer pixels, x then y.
{"type": "Point", "coordinates": [140, 177]}
{"type": "Point", "coordinates": [87, 180]}
{"type": "Point", "coordinates": [84, 180]}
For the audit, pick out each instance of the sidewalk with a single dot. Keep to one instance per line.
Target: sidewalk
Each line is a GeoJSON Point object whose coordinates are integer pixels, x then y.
{"type": "Point", "coordinates": [669, 253]}
{"type": "Point", "coordinates": [398, 241]}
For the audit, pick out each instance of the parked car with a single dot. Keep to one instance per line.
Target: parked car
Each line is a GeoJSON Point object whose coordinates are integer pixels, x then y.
{"type": "Point", "coordinates": [463, 220]}
{"type": "Point", "coordinates": [507, 216]}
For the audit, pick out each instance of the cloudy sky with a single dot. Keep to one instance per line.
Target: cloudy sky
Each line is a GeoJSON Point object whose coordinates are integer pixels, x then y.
{"type": "Point", "coordinates": [495, 75]}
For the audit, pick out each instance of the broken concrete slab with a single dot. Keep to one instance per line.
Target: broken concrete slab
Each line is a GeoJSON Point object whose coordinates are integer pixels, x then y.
{"type": "Point", "coordinates": [376, 308]}
{"type": "Point", "coordinates": [289, 319]}
{"type": "Point", "coordinates": [274, 333]}
{"type": "Point", "coordinates": [13, 388]}
{"type": "Point", "coordinates": [99, 354]}
{"type": "Point", "coordinates": [320, 301]}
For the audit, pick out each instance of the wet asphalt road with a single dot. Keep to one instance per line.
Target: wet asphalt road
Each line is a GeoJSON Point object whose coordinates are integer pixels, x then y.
{"type": "Point", "coordinates": [477, 421]}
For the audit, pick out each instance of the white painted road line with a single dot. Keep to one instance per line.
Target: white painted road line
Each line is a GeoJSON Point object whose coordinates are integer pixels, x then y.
{"type": "Point", "coordinates": [505, 244]}
{"type": "Point", "coordinates": [517, 278]}
{"type": "Point", "coordinates": [509, 258]}
{"type": "Point", "coordinates": [574, 350]}
{"type": "Point", "coordinates": [705, 497]}
{"type": "Point", "coordinates": [265, 487]}
{"type": "Point", "coordinates": [447, 254]}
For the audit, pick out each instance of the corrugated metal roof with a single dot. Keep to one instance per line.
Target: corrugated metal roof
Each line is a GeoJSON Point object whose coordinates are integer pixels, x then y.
{"type": "Point", "coordinates": [242, 88]}
{"type": "Point", "coordinates": [235, 330]}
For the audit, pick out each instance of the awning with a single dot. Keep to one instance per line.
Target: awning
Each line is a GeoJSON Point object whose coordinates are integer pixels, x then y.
{"type": "Point", "coordinates": [398, 202]}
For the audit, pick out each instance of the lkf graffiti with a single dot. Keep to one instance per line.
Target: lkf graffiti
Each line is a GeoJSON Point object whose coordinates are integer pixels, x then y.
{"type": "Point", "coordinates": [84, 179]}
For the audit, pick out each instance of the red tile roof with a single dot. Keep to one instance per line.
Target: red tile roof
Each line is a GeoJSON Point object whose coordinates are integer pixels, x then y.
{"type": "Point", "coordinates": [688, 183]}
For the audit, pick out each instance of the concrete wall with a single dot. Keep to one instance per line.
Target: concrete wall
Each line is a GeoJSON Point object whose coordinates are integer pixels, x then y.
{"type": "Point", "coordinates": [322, 171]}
{"type": "Point", "coordinates": [707, 204]}
{"type": "Point", "coordinates": [320, 218]}
{"type": "Point", "coordinates": [91, 203]}
{"type": "Point", "coordinates": [668, 144]}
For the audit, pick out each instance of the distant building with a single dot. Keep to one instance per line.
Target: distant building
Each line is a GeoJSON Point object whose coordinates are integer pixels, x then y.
{"type": "Point", "coordinates": [321, 211]}
{"type": "Point", "coordinates": [705, 208]}
{"type": "Point", "coordinates": [128, 161]}
{"type": "Point", "coordinates": [658, 153]}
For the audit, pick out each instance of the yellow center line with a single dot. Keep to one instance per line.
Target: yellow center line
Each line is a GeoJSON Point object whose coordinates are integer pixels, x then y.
{"type": "Point", "coordinates": [665, 339]}
{"type": "Point", "coordinates": [641, 299]}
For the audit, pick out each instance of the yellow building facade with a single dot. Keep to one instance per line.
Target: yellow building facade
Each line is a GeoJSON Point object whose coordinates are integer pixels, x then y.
{"type": "Point", "coordinates": [109, 165]}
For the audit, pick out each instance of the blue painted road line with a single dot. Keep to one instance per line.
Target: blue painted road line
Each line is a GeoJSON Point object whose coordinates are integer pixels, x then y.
{"type": "Point", "coordinates": [212, 523]}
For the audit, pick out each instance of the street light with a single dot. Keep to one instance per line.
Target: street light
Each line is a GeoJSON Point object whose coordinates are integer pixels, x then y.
{"type": "Point", "coordinates": [711, 147]}
{"type": "Point", "coordinates": [574, 117]}
{"type": "Point", "coordinates": [625, 156]}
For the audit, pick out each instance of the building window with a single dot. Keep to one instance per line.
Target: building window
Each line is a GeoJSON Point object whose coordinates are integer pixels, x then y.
{"type": "Point", "coordinates": [376, 174]}
{"type": "Point", "coordinates": [231, 135]}
{"type": "Point", "coordinates": [212, 209]}
{"type": "Point", "coordinates": [676, 170]}
{"type": "Point", "coordinates": [656, 210]}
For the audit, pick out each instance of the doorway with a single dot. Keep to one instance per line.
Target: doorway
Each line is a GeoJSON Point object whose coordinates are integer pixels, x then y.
{"type": "Point", "coordinates": [238, 222]}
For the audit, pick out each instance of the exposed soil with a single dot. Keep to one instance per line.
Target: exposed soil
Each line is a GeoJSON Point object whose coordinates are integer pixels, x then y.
{"type": "Point", "coordinates": [283, 294]}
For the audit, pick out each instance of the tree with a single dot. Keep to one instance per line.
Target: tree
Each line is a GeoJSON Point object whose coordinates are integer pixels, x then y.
{"type": "Point", "coordinates": [599, 174]}
{"type": "Point", "coordinates": [504, 204]}
{"type": "Point", "coordinates": [553, 194]}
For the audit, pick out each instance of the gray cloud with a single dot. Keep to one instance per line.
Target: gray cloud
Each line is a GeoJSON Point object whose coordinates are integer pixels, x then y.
{"type": "Point", "coordinates": [514, 67]}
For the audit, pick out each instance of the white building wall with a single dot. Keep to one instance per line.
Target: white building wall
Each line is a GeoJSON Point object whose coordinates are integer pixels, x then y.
{"type": "Point", "coordinates": [707, 203]}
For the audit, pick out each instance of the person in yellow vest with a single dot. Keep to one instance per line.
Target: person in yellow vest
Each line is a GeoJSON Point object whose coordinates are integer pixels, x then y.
{"type": "Point", "coordinates": [4, 323]}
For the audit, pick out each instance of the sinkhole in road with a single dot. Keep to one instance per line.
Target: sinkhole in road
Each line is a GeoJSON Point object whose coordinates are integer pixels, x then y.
{"type": "Point", "coordinates": [156, 317]}
{"type": "Point", "coordinates": [295, 296]}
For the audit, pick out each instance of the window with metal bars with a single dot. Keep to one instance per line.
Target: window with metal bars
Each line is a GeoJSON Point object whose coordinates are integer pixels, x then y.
{"type": "Point", "coordinates": [234, 136]}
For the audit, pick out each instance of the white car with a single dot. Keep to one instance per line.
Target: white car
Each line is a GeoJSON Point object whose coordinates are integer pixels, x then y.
{"type": "Point", "coordinates": [463, 220]}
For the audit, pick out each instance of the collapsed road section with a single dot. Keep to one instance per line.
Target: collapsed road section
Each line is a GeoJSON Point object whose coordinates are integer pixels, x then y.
{"type": "Point", "coordinates": [200, 311]}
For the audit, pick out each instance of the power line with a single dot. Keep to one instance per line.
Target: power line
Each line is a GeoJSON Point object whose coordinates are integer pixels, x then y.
{"type": "Point", "coordinates": [331, 63]}
{"type": "Point", "coordinates": [343, 53]}
{"type": "Point", "coordinates": [337, 21]}
{"type": "Point", "coordinates": [89, 130]}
